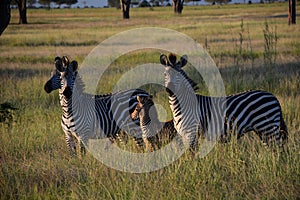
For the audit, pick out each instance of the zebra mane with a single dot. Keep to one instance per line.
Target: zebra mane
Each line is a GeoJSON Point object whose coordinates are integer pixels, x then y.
{"type": "Point", "coordinates": [80, 86]}
{"type": "Point", "coordinates": [190, 81]}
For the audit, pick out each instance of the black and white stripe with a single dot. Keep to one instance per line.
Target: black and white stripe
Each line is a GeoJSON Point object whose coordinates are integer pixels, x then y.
{"type": "Point", "coordinates": [86, 116]}
{"type": "Point", "coordinates": [155, 133]}
{"type": "Point", "coordinates": [219, 117]}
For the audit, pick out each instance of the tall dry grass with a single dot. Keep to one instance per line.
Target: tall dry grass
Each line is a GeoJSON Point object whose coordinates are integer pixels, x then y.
{"type": "Point", "coordinates": [34, 161]}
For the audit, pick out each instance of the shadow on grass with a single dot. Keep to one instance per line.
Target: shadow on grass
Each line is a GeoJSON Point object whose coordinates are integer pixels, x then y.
{"type": "Point", "coordinates": [275, 78]}
{"type": "Point", "coordinates": [285, 70]}
{"type": "Point", "coordinates": [23, 73]}
{"type": "Point", "coordinates": [281, 16]}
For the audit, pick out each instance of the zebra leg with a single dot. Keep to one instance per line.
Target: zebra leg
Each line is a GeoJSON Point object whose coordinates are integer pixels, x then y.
{"type": "Point", "coordinates": [122, 138]}
{"type": "Point", "coordinates": [150, 139]}
{"type": "Point", "coordinates": [82, 148]}
{"type": "Point", "coordinates": [273, 138]}
{"type": "Point", "coordinates": [70, 144]}
{"type": "Point", "coordinates": [149, 142]}
{"type": "Point", "coordinates": [190, 141]}
{"type": "Point", "coordinates": [193, 145]}
{"type": "Point", "coordinates": [137, 136]}
{"type": "Point", "coordinates": [139, 143]}
{"type": "Point", "coordinates": [283, 130]}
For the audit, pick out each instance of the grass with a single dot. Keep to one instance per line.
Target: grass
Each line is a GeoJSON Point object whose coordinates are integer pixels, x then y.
{"type": "Point", "coordinates": [34, 160]}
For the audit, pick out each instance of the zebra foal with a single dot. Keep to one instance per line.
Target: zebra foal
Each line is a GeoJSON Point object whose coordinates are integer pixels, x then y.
{"type": "Point", "coordinates": [87, 116]}
{"type": "Point", "coordinates": [155, 133]}
{"type": "Point", "coordinates": [218, 117]}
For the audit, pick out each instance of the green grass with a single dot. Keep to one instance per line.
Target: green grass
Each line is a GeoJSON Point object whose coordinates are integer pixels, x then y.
{"type": "Point", "coordinates": [34, 160]}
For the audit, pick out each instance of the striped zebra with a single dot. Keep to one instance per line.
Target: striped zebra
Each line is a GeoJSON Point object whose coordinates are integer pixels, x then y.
{"type": "Point", "coordinates": [86, 116]}
{"type": "Point", "coordinates": [219, 117]}
{"type": "Point", "coordinates": [155, 133]}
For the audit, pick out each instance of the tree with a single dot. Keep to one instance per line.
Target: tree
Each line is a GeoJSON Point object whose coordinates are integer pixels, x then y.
{"type": "Point", "coordinates": [125, 6]}
{"type": "Point", "coordinates": [178, 6]}
{"type": "Point", "coordinates": [4, 14]}
{"type": "Point", "coordinates": [70, 2]}
{"type": "Point", "coordinates": [292, 12]}
{"type": "Point", "coordinates": [22, 11]}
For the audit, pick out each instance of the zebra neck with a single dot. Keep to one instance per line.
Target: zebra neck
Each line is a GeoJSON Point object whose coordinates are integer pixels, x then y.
{"type": "Point", "coordinates": [183, 105]}
{"type": "Point", "coordinates": [151, 127]}
{"type": "Point", "coordinates": [184, 98]}
{"type": "Point", "coordinates": [76, 100]}
{"type": "Point", "coordinates": [65, 103]}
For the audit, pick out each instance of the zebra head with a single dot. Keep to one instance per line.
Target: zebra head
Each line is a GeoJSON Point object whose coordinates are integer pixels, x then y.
{"type": "Point", "coordinates": [146, 108]}
{"type": "Point", "coordinates": [63, 77]}
{"type": "Point", "coordinates": [143, 103]}
{"type": "Point", "coordinates": [175, 77]}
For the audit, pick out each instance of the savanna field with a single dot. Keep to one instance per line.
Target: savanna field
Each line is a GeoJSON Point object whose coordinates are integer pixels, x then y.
{"type": "Point", "coordinates": [253, 47]}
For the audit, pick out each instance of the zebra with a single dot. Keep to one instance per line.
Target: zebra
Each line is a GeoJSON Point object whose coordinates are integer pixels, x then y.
{"type": "Point", "coordinates": [154, 131]}
{"type": "Point", "coordinates": [255, 110]}
{"type": "Point", "coordinates": [86, 116]}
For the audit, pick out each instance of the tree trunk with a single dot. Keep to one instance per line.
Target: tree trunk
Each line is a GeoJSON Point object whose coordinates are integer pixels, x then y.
{"type": "Point", "coordinates": [22, 11]}
{"type": "Point", "coordinates": [125, 6]}
{"type": "Point", "coordinates": [178, 6]}
{"type": "Point", "coordinates": [4, 14]}
{"type": "Point", "coordinates": [292, 12]}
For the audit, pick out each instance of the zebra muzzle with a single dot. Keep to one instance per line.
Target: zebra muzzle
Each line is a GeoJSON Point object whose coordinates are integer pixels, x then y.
{"type": "Point", "coordinates": [48, 87]}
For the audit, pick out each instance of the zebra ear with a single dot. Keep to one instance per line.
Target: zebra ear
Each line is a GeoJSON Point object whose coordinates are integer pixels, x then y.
{"type": "Point", "coordinates": [140, 103]}
{"type": "Point", "coordinates": [138, 98]}
{"type": "Point", "coordinates": [164, 59]}
{"type": "Point", "coordinates": [57, 58]}
{"type": "Point", "coordinates": [143, 99]}
{"type": "Point", "coordinates": [74, 65]}
{"type": "Point", "coordinates": [183, 61]}
{"type": "Point", "coordinates": [58, 64]}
